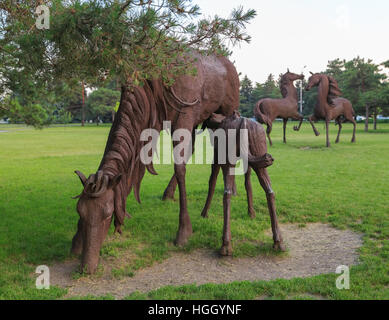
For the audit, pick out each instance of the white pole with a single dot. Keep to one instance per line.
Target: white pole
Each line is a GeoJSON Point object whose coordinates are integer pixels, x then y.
{"type": "Point", "coordinates": [301, 92]}
{"type": "Point", "coordinates": [301, 96]}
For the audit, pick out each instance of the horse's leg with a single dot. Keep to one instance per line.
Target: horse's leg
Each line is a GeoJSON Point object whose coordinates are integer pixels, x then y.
{"type": "Point", "coordinates": [339, 122]}
{"type": "Point", "coordinates": [211, 189]}
{"type": "Point", "coordinates": [226, 249]}
{"type": "Point", "coordinates": [311, 120]}
{"type": "Point", "coordinates": [185, 226]}
{"type": "Point", "coordinates": [264, 180]}
{"type": "Point", "coordinates": [285, 122]}
{"type": "Point", "coordinates": [328, 133]}
{"type": "Point", "coordinates": [268, 131]}
{"type": "Point", "coordinates": [234, 189]}
{"type": "Point", "coordinates": [301, 118]}
{"type": "Point", "coordinates": [172, 186]}
{"type": "Point", "coordinates": [170, 189]}
{"type": "Point", "coordinates": [352, 120]}
{"type": "Point", "coordinates": [249, 192]}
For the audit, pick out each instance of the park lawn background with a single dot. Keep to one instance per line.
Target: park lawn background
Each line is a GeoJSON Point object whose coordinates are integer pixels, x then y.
{"type": "Point", "coordinates": [346, 186]}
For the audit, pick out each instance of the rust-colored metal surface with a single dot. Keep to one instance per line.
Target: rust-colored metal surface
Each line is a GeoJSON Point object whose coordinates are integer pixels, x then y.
{"type": "Point", "coordinates": [215, 88]}
{"type": "Point", "coordinates": [258, 160]}
{"type": "Point", "coordinates": [267, 110]}
{"type": "Point", "coordinates": [330, 106]}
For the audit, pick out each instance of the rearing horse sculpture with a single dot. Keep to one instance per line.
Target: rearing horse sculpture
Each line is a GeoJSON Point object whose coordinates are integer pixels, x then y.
{"type": "Point", "coordinates": [329, 105]}
{"type": "Point", "coordinates": [267, 110]}
{"type": "Point", "coordinates": [215, 89]}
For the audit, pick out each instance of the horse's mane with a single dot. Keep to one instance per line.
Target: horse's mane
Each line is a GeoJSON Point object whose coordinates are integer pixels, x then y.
{"type": "Point", "coordinates": [283, 84]}
{"type": "Point", "coordinates": [141, 107]}
{"type": "Point", "coordinates": [333, 91]}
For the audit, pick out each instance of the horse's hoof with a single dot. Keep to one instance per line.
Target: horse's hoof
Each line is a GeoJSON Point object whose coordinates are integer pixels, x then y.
{"type": "Point", "coordinates": [252, 213]}
{"type": "Point", "coordinates": [279, 246]}
{"type": "Point", "coordinates": [168, 197]}
{"type": "Point", "coordinates": [204, 215]}
{"type": "Point", "coordinates": [226, 250]}
{"type": "Point", "coordinates": [183, 237]}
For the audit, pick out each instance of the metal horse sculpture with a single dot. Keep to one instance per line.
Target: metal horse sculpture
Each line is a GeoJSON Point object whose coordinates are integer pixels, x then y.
{"type": "Point", "coordinates": [329, 105]}
{"type": "Point", "coordinates": [267, 110]}
{"type": "Point", "coordinates": [215, 89]}
{"type": "Point", "coordinates": [258, 160]}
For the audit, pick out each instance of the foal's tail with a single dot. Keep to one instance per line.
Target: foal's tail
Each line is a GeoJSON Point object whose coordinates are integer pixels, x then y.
{"type": "Point", "coordinates": [260, 115]}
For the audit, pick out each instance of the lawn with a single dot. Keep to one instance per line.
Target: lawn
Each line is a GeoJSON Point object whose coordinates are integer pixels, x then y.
{"type": "Point", "coordinates": [346, 186]}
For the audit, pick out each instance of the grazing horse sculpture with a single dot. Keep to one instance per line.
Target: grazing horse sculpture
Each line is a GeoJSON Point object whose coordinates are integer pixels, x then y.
{"type": "Point", "coordinates": [215, 89]}
{"type": "Point", "coordinates": [258, 160]}
{"type": "Point", "coordinates": [267, 110]}
{"type": "Point", "coordinates": [329, 105]}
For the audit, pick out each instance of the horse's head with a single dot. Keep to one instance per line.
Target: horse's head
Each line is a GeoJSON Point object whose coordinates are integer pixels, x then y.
{"type": "Point", "coordinates": [290, 76]}
{"type": "Point", "coordinates": [95, 207]}
{"type": "Point", "coordinates": [313, 81]}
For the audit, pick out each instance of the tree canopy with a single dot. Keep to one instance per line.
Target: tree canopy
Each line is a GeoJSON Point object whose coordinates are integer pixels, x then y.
{"type": "Point", "coordinates": [95, 41]}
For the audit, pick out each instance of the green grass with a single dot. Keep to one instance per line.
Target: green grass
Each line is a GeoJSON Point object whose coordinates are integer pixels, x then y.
{"type": "Point", "coordinates": [346, 186]}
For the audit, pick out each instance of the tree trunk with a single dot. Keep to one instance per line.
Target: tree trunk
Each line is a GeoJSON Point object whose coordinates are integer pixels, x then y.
{"type": "Point", "coordinates": [375, 118]}
{"type": "Point", "coordinates": [83, 106]}
{"type": "Point", "coordinates": [367, 119]}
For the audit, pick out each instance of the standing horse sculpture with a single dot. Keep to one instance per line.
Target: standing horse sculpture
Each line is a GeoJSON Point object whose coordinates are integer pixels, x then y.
{"type": "Point", "coordinates": [258, 159]}
{"type": "Point", "coordinates": [215, 89]}
{"type": "Point", "coordinates": [267, 110]}
{"type": "Point", "coordinates": [329, 105]}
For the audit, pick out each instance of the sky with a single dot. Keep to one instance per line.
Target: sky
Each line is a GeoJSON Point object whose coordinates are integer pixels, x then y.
{"type": "Point", "coordinates": [297, 33]}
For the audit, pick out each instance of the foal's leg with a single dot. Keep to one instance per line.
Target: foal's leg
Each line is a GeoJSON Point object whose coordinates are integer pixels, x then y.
{"type": "Point", "coordinates": [211, 189]}
{"type": "Point", "coordinates": [311, 120]}
{"type": "Point", "coordinates": [264, 180]}
{"type": "Point", "coordinates": [226, 249]}
{"type": "Point", "coordinates": [249, 192]}
{"type": "Point", "coordinates": [339, 122]}
{"type": "Point", "coordinates": [285, 122]}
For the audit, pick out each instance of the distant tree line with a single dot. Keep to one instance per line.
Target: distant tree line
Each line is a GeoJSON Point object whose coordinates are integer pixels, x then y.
{"type": "Point", "coordinates": [363, 82]}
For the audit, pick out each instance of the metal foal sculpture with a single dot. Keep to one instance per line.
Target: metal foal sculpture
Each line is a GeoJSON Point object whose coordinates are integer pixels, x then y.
{"type": "Point", "coordinates": [267, 110]}
{"type": "Point", "coordinates": [215, 89]}
{"type": "Point", "coordinates": [329, 105]}
{"type": "Point", "coordinates": [258, 160]}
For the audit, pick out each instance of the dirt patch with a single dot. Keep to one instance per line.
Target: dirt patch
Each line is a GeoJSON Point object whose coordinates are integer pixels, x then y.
{"type": "Point", "coordinates": [313, 250]}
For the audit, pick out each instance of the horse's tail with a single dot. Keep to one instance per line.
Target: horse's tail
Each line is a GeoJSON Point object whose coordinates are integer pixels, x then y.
{"type": "Point", "coordinates": [260, 115]}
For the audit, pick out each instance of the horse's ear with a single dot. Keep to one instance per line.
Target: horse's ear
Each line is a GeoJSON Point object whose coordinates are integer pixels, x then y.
{"type": "Point", "coordinates": [113, 182]}
{"type": "Point", "coordinates": [311, 72]}
{"type": "Point", "coordinates": [81, 176]}
{"type": "Point", "coordinates": [288, 70]}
